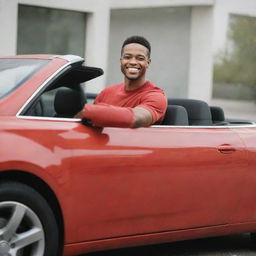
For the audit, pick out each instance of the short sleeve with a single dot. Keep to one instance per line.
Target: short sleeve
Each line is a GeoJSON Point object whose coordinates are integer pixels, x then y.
{"type": "Point", "coordinates": [99, 97]}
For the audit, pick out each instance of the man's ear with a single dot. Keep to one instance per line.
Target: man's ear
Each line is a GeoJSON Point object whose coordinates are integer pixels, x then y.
{"type": "Point", "coordinates": [149, 61]}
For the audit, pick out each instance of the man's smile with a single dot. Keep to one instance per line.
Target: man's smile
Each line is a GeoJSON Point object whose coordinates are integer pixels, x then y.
{"type": "Point", "coordinates": [133, 70]}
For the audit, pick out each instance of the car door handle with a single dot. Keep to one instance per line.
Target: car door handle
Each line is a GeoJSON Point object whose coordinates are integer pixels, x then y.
{"type": "Point", "coordinates": [226, 149]}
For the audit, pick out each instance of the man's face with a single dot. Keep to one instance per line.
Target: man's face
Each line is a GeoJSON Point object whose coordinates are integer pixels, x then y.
{"type": "Point", "coordinates": [134, 61]}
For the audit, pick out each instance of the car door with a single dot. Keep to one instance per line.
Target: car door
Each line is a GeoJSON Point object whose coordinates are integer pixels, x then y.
{"type": "Point", "coordinates": [245, 208]}
{"type": "Point", "coordinates": [138, 181]}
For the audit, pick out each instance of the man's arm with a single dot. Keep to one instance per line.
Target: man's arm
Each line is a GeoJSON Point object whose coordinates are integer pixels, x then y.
{"type": "Point", "coordinates": [142, 117]}
{"type": "Point", "coordinates": [103, 115]}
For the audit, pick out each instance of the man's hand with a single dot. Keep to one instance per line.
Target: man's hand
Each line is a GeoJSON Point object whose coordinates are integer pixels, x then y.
{"type": "Point", "coordinates": [79, 115]}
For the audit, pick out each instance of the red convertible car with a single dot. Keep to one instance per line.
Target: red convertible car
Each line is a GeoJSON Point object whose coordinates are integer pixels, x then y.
{"type": "Point", "coordinates": [67, 188]}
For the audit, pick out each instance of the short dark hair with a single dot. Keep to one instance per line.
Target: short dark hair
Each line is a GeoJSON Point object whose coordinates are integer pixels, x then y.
{"type": "Point", "coordinates": [137, 40]}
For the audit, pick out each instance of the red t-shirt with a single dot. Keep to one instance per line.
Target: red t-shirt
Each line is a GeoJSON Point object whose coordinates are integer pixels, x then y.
{"type": "Point", "coordinates": [148, 96]}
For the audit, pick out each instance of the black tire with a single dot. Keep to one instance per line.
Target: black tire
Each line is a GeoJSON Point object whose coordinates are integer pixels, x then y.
{"type": "Point", "coordinates": [33, 216]}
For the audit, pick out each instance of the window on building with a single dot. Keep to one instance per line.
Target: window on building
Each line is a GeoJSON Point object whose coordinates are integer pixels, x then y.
{"type": "Point", "coordinates": [50, 31]}
{"type": "Point", "coordinates": [234, 69]}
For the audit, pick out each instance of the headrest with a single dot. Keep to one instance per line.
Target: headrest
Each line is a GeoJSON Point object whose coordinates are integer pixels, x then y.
{"type": "Point", "coordinates": [175, 115]}
{"type": "Point", "coordinates": [198, 111]}
{"type": "Point", "coordinates": [68, 102]}
{"type": "Point", "coordinates": [217, 114]}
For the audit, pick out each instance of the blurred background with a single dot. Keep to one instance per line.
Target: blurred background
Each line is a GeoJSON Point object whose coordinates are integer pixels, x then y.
{"type": "Point", "coordinates": [203, 49]}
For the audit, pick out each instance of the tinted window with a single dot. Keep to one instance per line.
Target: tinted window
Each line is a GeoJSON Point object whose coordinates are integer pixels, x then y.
{"type": "Point", "coordinates": [14, 72]}
{"type": "Point", "coordinates": [45, 30]}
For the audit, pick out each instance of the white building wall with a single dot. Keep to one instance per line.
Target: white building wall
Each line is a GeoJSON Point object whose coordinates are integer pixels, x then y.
{"type": "Point", "coordinates": [181, 39]}
{"type": "Point", "coordinates": [8, 21]}
{"type": "Point", "coordinates": [201, 54]}
{"type": "Point", "coordinates": [168, 31]}
{"type": "Point", "coordinates": [120, 4]}
{"type": "Point", "coordinates": [77, 5]}
{"type": "Point", "coordinates": [171, 25]}
{"type": "Point", "coordinates": [97, 39]}
{"type": "Point", "coordinates": [97, 30]}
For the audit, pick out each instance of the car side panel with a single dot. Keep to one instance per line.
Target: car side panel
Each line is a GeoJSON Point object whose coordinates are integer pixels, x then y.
{"type": "Point", "coordinates": [246, 206]}
{"type": "Point", "coordinates": [157, 238]}
{"type": "Point", "coordinates": [116, 182]}
{"type": "Point", "coordinates": [138, 181]}
{"type": "Point", "coordinates": [35, 147]}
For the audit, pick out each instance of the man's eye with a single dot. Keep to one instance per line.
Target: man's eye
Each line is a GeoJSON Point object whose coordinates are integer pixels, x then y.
{"type": "Point", "coordinates": [126, 57]}
{"type": "Point", "coordinates": [140, 58]}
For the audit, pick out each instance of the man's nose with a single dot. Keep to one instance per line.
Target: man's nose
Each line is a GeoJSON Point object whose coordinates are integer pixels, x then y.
{"type": "Point", "coordinates": [133, 61]}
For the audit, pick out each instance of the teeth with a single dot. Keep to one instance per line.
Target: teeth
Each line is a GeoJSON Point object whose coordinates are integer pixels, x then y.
{"type": "Point", "coordinates": [133, 70]}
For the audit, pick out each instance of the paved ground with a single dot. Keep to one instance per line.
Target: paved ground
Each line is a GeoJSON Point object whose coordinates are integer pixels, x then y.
{"type": "Point", "coordinates": [235, 109]}
{"type": "Point", "coordinates": [236, 245]}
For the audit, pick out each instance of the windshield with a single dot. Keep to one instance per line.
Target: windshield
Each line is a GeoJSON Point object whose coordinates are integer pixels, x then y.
{"type": "Point", "coordinates": [14, 72]}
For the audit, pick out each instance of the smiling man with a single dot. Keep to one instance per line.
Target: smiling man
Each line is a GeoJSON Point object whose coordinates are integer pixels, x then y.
{"type": "Point", "coordinates": [134, 103]}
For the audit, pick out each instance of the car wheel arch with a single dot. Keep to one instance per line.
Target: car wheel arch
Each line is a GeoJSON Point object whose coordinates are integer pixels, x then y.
{"type": "Point", "coordinates": [42, 188]}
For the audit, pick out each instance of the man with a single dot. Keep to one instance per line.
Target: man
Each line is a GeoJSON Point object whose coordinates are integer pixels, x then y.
{"type": "Point", "coordinates": [134, 103]}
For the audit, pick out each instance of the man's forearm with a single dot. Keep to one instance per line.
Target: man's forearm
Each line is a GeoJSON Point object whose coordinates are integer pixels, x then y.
{"type": "Point", "coordinates": [107, 115]}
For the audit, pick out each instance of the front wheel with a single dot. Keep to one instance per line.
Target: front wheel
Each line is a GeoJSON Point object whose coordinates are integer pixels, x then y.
{"type": "Point", "coordinates": [27, 223]}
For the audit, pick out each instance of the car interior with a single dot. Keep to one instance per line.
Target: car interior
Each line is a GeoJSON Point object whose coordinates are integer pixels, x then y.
{"type": "Point", "coordinates": [64, 102]}
{"type": "Point", "coordinates": [65, 97]}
